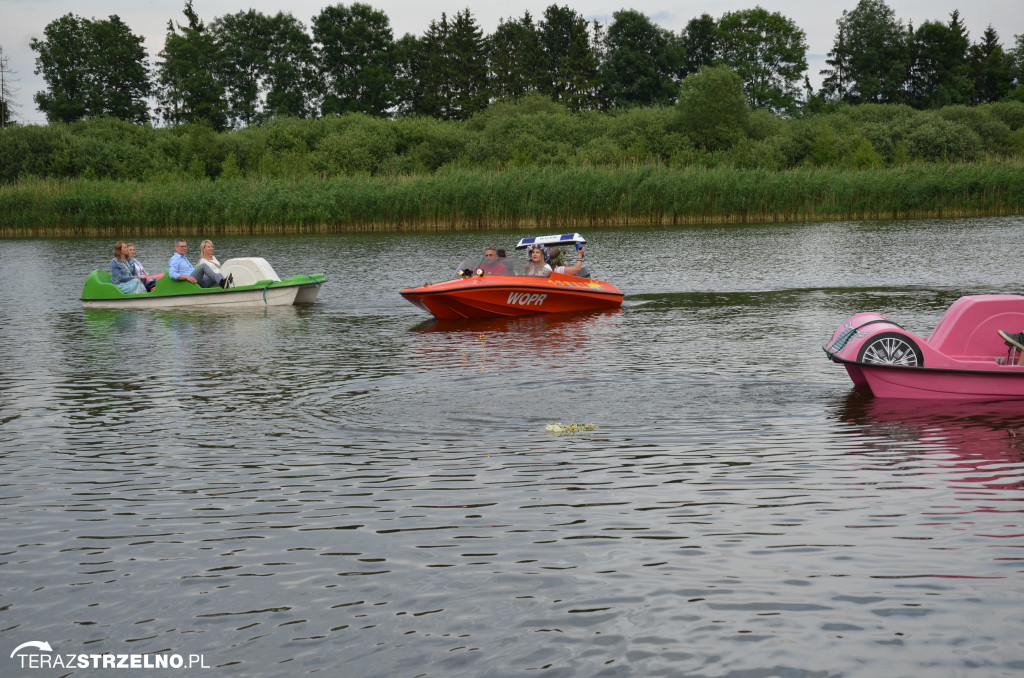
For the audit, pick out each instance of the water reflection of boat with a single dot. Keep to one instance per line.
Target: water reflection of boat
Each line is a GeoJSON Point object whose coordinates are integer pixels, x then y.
{"type": "Point", "coordinates": [967, 434]}
{"type": "Point", "coordinates": [500, 342]}
{"type": "Point", "coordinates": [506, 324]}
{"type": "Point", "coordinates": [256, 284]}
{"type": "Point", "coordinates": [500, 289]}
{"type": "Point", "coordinates": [963, 358]}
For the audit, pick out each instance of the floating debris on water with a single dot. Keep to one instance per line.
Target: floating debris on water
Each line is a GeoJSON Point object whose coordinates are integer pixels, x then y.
{"type": "Point", "coordinates": [561, 429]}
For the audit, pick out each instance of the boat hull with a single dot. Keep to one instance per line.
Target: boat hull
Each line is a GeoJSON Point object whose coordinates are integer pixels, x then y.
{"type": "Point", "coordinates": [306, 294]}
{"type": "Point", "coordinates": [233, 298]}
{"type": "Point", "coordinates": [964, 358]}
{"type": "Point", "coordinates": [512, 296]}
{"type": "Point", "coordinates": [1006, 382]}
{"type": "Point", "coordinates": [297, 289]}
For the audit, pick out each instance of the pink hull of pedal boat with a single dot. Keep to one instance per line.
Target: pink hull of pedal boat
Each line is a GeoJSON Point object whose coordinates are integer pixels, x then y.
{"type": "Point", "coordinates": [964, 358]}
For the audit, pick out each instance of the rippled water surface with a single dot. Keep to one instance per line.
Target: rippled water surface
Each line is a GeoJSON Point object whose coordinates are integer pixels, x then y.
{"type": "Point", "coordinates": [353, 489]}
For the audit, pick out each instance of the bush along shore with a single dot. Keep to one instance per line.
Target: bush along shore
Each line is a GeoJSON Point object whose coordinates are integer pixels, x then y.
{"type": "Point", "coordinates": [529, 197]}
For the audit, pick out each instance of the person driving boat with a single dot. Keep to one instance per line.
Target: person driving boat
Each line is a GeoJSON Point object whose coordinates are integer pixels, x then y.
{"type": "Point", "coordinates": [491, 264]}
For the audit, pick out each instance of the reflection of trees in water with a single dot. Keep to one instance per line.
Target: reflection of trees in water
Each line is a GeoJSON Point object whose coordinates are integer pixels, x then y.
{"type": "Point", "coordinates": [981, 442]}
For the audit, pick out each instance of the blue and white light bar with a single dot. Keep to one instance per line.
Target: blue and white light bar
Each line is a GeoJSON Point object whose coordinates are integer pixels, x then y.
{"type": "Point", "coordinates": [548, 240]}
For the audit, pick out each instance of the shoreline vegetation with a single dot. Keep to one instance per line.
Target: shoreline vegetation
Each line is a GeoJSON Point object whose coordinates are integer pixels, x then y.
{"type": "Point", "coordinates": [555, 123]}
{"type": "Point", "coordinates": [527, 197]}
{"type": "Point", "coordinates": [526, 163]}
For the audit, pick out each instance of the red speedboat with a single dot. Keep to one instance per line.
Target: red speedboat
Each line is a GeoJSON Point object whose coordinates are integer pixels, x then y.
{"type": "Point", "coordinates": [498, 287]}
{"type": "Point", "coordinates": [966, 357]}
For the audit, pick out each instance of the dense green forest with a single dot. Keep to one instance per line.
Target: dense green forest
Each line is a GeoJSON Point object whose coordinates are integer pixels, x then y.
{"type": "Point", "coordinates": [709, 127]}
{"type": "Point", "coordinates": [558, 121]}
{"type": "Point", "coordinates": [246, 68]}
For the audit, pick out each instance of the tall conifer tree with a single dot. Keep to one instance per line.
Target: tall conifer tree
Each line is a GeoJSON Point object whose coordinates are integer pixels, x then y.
{"type": "Point", "coordinates": [571, 76]}
{"type": "Point", "coordinates": [190, 87]}
{"type": "Point", "coordinates": [991, 69]}
{"type": "Point", "coordinates": [939, 74]}
{"type": "Point", "coordinates": [515, 58]}
{"type": "Point", "coordinates": [7, 90]}
{"type": "Point", "coordinates": [449, 70]}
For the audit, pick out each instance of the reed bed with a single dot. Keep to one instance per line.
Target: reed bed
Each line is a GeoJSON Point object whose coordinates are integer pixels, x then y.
{"type": "Point", "coordinates": [522, 198]}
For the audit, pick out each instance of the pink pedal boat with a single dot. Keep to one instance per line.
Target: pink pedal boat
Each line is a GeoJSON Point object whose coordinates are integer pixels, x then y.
{"type": "Point", "coordinates": [964, 358]}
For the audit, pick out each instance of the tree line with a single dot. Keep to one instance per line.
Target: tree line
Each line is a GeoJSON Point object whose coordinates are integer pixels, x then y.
{"type": "Point", "coordinates": [248, 68]}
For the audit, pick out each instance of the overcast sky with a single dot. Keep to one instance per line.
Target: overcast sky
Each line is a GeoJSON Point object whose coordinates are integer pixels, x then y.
{"type": "Point", "coordinates": [22, 20]}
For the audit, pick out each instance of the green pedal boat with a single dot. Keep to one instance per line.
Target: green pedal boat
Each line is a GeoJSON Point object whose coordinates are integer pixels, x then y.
{"type": "Point", "coordinates": [254, 284]}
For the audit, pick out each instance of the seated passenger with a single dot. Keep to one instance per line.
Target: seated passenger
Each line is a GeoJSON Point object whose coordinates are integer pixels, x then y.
{"type": "Point", "coordinates": [137, 269]}
{"type": "Point", "coordinates": [121, 272]}
{"type": "Point", "coordinates": [179, 268]}
{"type": "Point", "coordinates": [206, 257]}
{"type": "Point", "coordinates": [558, 262]}
{"type": "Point", "coordinates": [537, 266]}
{"type": "Point", "coordinates": [509, 264]}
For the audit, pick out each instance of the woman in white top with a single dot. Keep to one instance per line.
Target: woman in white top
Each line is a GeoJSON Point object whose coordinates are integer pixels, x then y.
{"type": "Point", "coordinates": [558, 262]}
{"type": "Point", "coordinates": [206, 256]}
{"type": "Point", "coordinates": [207, 259]}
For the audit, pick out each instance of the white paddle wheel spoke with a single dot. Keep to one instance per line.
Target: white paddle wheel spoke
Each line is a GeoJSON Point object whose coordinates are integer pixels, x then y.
{"type": "Point", "coordinates": [890, 351]}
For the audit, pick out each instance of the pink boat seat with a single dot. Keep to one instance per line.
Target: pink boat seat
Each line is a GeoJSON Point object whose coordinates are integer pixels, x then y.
{"type": "Point", "coordinates": [968, 330]}
{"type": "Point", "coordinates": [1014, 350]}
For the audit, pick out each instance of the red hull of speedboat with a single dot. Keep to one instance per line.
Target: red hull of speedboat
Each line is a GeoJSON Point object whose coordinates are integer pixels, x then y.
{"type": "Point", "coordinates": [508, 296]}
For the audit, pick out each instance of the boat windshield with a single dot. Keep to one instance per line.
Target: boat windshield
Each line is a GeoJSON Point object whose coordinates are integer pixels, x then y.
{"type": "Point", "coordinates": [513, 264]}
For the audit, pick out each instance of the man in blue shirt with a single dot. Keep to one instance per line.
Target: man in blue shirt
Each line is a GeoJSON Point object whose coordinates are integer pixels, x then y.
{"type": "Point", "coordinates": [179, 268]}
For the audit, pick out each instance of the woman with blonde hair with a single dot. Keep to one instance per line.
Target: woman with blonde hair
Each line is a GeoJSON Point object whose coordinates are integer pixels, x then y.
{"type": "Point", "coordinates": [207, 259]}
{"type": "Point", "coordinates": [206, 256]}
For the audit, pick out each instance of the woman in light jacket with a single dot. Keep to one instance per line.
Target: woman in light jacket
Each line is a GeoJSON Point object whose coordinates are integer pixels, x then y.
{"type": "Point", "coordinates": [121, 271]}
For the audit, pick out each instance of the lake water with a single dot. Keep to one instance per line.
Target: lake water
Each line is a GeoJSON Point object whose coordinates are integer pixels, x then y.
{"type": "Point", "coordinates": [353, 489]}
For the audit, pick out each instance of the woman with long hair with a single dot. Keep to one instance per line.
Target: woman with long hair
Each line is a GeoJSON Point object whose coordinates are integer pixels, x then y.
{"type": "Point", "coordinates": [121, 271]}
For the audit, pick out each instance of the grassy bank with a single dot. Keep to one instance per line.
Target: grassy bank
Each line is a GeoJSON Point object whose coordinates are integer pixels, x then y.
{"type": "Point", "coordinates": [521, 197]}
